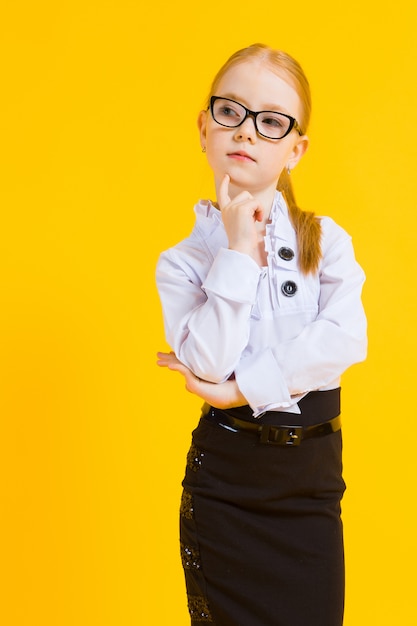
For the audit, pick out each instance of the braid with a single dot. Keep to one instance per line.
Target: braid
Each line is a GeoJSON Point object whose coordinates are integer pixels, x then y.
{"type": "Point", "coordinates": [307, 227]}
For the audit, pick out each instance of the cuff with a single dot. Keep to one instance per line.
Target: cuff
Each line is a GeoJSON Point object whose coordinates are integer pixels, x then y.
{"type": "Point", "coordinates": [233, 276]}
{"type": "Point", "coordinates": [260, 380]}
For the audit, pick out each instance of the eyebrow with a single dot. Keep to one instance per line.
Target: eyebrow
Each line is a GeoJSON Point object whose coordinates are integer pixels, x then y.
{"type": "Point", "coordinates": [268, 107]}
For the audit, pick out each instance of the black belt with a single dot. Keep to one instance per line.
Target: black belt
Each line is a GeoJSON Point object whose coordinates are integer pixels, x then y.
{"type": "Point", "coordinates": [281, 435]}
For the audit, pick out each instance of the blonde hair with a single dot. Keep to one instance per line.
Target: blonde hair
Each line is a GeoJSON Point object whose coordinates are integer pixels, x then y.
{"type": "Point", "coordinates": [306, 224]}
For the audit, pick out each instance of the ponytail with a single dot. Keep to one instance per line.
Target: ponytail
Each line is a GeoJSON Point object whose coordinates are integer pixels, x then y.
{"type": "Point", "coordinates": [307, 227]}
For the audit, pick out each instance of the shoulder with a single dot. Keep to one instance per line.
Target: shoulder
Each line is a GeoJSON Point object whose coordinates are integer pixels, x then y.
{"type": "Point", "coordinates": [338, 255]}
{"type": "Point", "coordinates": [197, 251]}
{"type": "Point", "coordinates": [331, 231]}
{"type": "Point", "coordinates": [333, 235]}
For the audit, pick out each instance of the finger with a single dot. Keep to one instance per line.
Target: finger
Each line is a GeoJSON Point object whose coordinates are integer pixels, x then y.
{"type": "Point", "coordinates": [243, 198]}
{"type": "Point", "coordinates": [246, 202]}
{"type": "Point", "coordinates": [178, 367]}
{"type": "Point", "coordinates": [164, 358]}
{"type": "Point", "coordinates": [259, 214]}
{"type": "Point", "coordinates": [242, 205]}
{"type": "Point", "coordinates": [224, 197]}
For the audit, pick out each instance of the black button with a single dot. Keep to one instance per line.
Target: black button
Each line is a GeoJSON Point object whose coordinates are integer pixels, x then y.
{"type": "Point", "coordinates": [286, 254]}
{"type": "Point", "coordinates": [289, 288]}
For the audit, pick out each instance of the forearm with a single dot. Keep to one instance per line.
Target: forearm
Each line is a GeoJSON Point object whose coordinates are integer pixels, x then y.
{"type": "Point", "coordinates": [208, 324]}
{"type": "Point", "coordinates": [222, 395]}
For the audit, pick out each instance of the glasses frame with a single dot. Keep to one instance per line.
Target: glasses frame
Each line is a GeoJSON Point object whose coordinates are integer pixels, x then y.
{"type": "Point", "coordinates": [254, 114]}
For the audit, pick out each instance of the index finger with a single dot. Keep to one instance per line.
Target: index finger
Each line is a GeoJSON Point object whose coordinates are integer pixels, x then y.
{"type": "Point", "coordinates": [224, 197]}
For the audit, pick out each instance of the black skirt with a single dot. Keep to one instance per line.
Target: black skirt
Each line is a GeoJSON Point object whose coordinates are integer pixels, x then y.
{"type": "Point", "coordinates": [261, 534]}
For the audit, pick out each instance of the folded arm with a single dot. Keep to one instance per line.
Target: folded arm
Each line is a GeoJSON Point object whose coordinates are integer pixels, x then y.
{"type": "Point", "coordinates": [208, 326]}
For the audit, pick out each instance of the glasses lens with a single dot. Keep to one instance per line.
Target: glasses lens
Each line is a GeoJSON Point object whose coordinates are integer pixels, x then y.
{"type": "Point", "coordinates": [227, 112]}
{"type": "Point", "coordinates": [273, 125]}
{"type": "Point", "coordinates": [231, 114]}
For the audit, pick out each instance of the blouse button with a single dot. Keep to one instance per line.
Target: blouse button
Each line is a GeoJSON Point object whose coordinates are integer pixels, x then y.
{"type": "Point", "coordinates": [286, 254]}
{"type": "Point", "coordinates": [289, 288]}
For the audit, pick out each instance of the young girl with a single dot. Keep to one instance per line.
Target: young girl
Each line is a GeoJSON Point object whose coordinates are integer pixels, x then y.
{"type": "Point", "coordinates": [262, 309]}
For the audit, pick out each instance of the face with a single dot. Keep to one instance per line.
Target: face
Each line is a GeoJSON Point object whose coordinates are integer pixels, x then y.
{"type": "Point", "coordinates": [253, 162]}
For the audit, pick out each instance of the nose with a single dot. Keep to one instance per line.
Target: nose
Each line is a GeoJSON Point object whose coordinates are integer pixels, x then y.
{"type": "Point", "coordinates": [246, 131]}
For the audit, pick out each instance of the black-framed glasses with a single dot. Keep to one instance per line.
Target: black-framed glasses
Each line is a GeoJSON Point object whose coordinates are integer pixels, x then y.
{"type": "Point", "coordinates": [269, 124]}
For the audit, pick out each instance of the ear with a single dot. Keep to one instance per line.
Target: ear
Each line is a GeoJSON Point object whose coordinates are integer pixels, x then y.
{"type": "Point", "coordinates": [202, 126]}
{"type": "Point", "coordinates": [299, 149]}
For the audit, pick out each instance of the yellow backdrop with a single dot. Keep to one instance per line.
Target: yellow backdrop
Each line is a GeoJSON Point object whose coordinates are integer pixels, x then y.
{"type": "Point", "coordinates": [101, 167]}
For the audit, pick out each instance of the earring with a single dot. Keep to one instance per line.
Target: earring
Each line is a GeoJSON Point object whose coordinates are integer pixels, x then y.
{"type": "Point", "coordinates": [203, 149]}
{"type": "Point", "coordinates": [288, 170]}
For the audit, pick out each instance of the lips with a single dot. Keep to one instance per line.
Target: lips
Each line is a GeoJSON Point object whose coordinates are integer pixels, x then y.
{"type": "Point", "coordinates": [240, 155]}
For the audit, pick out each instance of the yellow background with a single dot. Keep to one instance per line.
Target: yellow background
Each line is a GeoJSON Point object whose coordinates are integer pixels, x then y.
{"type": "Point", "coordinates": [100, 169]}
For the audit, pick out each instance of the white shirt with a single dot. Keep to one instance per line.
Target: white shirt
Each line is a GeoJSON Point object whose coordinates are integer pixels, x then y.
{"type": "Point", "coordinates": [225, 315]}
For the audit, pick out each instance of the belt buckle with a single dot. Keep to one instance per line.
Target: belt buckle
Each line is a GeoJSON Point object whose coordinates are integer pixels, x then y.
{"type": "Point", "coordinates": [281, 435]}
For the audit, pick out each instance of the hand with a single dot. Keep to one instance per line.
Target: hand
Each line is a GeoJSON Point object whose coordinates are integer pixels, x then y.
{"type": "Point", "coordinates": [239, 218]}
{"type": "Point", "coordinates": [220, 395]}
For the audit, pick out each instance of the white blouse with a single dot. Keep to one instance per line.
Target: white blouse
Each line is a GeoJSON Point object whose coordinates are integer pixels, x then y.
{"type": "Point", "coordinates": [281, 333]}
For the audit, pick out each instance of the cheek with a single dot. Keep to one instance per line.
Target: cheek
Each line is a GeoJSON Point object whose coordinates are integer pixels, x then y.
{"type": "Point", "coordinates": [277, 159]}
{"type": "Point", "coordinates": [215, 135]}
{"type": "Point", "coordinates": [216, 144]}
{"type": "Point", "coordinates": [280, 154]}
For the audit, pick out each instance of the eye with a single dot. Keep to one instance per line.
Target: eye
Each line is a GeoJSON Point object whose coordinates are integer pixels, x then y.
{"type": "Point", "coordinates": [230, 111]}
{"type": "Point", "coordinates": [273, 121]}
{"type": "Point", "coordinates": [227, 111]}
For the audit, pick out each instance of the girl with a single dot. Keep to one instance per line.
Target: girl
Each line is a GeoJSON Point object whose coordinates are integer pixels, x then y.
{"type": "Point", "coordinates": [262, 308]}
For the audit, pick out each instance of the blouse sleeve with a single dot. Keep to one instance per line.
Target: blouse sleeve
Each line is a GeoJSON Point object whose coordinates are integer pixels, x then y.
{"type": "Point", "coordinates": [280, 375]}
{"type": "Point", "coordinates": [207, 315]}
{"type": "Point", "coordinates": [207, 318]}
